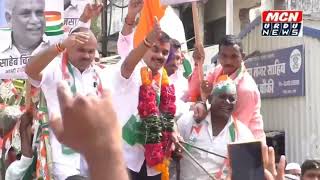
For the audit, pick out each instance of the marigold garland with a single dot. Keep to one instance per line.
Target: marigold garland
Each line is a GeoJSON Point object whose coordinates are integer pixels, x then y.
{"type": "Point", "coordinates": [157, 119]}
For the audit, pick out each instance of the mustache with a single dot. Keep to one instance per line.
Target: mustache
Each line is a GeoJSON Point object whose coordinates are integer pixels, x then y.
{"type": "Point", "coordinates": [86, 59]}
{"type": "Point", "coordinates": [161, 60]}
{"type": "Point", "coordinates": [228, 66]}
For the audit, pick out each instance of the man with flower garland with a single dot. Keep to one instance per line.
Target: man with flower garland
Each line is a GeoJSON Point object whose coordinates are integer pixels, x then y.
{"type": "Point", "coordinates": [213, 133]}
{"type": "Point", "coordinates": [142, 82]}
{"type": "Point", "coordinates": [175, 57]}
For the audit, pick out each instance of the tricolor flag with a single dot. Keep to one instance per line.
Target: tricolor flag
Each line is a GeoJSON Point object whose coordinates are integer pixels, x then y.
{"type": "Point", "coordinates": [150, 9]}
{"type": "Point", "coordinates": [54, 23]}
{"type": "Point", "coordinates": [169, 21]}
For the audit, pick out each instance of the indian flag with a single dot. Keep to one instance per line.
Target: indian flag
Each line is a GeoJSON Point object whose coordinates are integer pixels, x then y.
{"type": "Point", "coordinates": [54, 23]}
{"type": "Point", "coordinates": [146, 22]}
{"type": "Point", "coordinates": [169, 21]}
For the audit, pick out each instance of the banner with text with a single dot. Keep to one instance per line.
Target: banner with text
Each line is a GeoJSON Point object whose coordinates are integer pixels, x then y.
{"type": "Point", "coordinates": [279, 73]}
{"type": "Point", "coordinates": [41, 25]}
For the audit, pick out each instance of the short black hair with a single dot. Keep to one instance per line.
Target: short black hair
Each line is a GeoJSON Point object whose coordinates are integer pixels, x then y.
{"type": "Point", "coordinates": [175, 44]}
{"type": "Point", "coordinates": [164, 38]}
{"type": "Point", "coordinates": [308, 165]}
{"type": "Point", "coordinates": [230, 40]}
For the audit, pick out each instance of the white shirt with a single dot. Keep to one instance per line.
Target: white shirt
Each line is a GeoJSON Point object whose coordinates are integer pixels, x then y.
{"type": "Point", "coordinates": [52, 75]}
{"type": "Point", "coordinates": [181, 87]}
{"type": "Point", "coordinates": [204, 138]}
{"type": "Point", "coordinates": [18, 168]}
{"type": "Point", "coordinates": [126, 96]}
{"type": "Point", "coordinates": [125, 45]}
{"type": "Point", "coordinates": [12, 62]}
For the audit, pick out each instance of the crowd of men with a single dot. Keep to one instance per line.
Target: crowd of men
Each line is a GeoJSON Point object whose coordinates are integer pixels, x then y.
{"type": "Point", "coordinates": [89, 107]}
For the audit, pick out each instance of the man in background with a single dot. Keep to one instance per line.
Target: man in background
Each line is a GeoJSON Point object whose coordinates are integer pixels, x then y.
{"type": "Point", "coordinates": [310, 170]}
{"type": "Point", "coordinates": [293, 171]}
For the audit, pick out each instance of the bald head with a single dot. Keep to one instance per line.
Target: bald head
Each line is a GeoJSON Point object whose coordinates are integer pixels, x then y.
{"type": "Point", "coordinates": [82, 55]}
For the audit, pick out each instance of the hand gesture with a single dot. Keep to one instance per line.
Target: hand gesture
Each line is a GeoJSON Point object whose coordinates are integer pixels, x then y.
{"type": "Point", "coordinates": [75, 38]}
{"type": "Point", "coordinates": [271, 172]}
{"type": "Point", "coordinates": [155, 34]}
{"type": "Point", "coordinates": [206, 88]}
{"type": "Point", "coordinates": [90, 11]}
{"type": "Point", "coordinates": [87, 123]}
{"type": "Point", "coordinates": [198, 54]}
{"type": "Point", "coordinates": [199, 112]}
{"type": "Point", "coordinates": [134, 8]}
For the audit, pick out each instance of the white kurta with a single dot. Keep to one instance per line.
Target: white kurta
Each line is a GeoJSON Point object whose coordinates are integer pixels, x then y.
{"type": "Point", "coordinates": [67, 165]}
{"type": "Point", "coordinates": [201, 135]}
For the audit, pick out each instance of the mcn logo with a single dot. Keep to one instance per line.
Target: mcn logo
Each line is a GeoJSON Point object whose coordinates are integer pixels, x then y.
{"type": "Point", "coordinates": [282, 23]}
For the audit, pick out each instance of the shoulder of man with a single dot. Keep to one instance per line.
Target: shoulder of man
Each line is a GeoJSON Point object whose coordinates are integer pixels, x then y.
{"type": "Point", "coordinates": [248, 82]}
{"type": "Point", "coordinates": [185, 119]}
{"type": "Point", "coordinates": [244, 133]}
{"type": "Point", "coordinates": [212, 77]}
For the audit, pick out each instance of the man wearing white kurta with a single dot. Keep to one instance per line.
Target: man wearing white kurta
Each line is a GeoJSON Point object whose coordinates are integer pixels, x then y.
{"type": "Point", "coordinates": [213, 133]}
{"type": "Point", "coordinates": [46, 69]}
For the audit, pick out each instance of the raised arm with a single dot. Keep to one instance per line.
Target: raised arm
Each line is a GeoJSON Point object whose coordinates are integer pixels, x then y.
{"type": "Point", "coordinates": [137, 54]}
{"type": "Point", "coordinates": [125, 40]}
{"type": "Point", "coordinates": [90, 11]}
{"type": "Point", "coordinates": [41, 60]}
{"type": "Point", "coordinates": [134, 8]}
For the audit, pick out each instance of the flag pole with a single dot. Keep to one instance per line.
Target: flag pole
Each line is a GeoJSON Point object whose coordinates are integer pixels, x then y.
{"type": "Point", "coordinates": [198, 39]}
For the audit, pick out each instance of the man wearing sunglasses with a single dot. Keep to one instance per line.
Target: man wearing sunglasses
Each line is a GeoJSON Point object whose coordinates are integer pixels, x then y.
{"type": "Point", "coordinates": [231, 59]}
{"type": "Point", "coordinates": [213, 133]}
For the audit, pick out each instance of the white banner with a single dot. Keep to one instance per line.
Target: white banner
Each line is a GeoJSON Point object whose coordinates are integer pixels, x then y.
{"type": "Point", "coordinates": [28, 34]}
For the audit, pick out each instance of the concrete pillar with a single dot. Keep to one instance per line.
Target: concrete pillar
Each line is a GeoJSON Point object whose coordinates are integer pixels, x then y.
{"type": "Point", "coordinates": [229, 17]}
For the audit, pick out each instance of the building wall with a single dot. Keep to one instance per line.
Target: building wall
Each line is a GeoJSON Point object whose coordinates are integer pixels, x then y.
{"type": "Point", "coordinates": [214, 10]}
{"type": "Point", "coordinates": [297, 116]}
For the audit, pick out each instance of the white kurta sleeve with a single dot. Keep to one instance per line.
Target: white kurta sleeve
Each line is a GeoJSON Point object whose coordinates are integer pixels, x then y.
{"type": "Point", "coordinates": [18, 168]}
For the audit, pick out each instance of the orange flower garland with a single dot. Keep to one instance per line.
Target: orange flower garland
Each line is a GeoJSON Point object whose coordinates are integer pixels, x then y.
{"type": "Point", "coordinates": [157, 123]}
